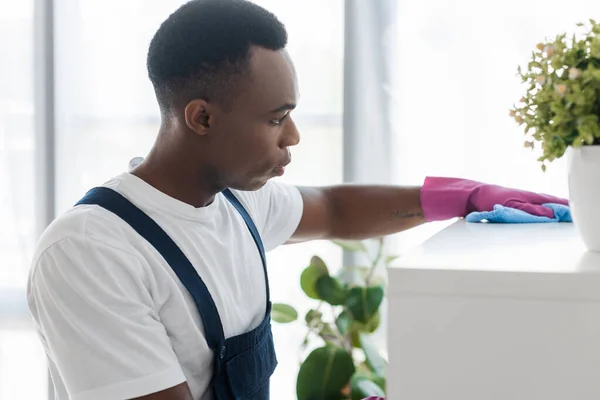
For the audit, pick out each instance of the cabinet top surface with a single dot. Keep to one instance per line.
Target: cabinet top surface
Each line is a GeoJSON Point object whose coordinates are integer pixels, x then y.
{"type": "Point", "coordinates": [543, 248]}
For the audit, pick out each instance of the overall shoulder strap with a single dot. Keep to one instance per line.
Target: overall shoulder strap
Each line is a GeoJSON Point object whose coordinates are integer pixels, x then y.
{"type": "Point", "coordinates": [157, 237]}
{"type": "Point", "coordinates": [253, 231]}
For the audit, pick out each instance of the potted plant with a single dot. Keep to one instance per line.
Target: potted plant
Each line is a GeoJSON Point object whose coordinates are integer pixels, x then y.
{"type": "Point", "coordinates": [561, 111]}
{"type": "Point", "coordinates": [343, 362]}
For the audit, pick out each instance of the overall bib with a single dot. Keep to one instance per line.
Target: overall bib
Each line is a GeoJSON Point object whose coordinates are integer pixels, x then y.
{"type": "Point", "coordinates": [243, 364]}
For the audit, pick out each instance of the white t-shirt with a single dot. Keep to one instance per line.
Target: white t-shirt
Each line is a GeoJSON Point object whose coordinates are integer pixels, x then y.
{"type": "Point", "coordinates": [113, 317]}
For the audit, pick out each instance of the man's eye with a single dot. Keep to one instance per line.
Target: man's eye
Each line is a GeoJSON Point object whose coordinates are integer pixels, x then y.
{"type": "Point", "coordinates": [278, 121]}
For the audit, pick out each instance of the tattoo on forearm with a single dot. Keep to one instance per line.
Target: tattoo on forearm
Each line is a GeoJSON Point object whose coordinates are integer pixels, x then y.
{"type": "Point", "coordinates": [398, 214]}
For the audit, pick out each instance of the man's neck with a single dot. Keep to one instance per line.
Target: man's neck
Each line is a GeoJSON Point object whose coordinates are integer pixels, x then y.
{"type": "Point", "coordinates": [177, 178]}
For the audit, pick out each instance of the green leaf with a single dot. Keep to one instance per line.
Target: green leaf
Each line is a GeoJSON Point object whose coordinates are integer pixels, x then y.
{"type": "Point", "coordinates": [379, 381]}
{"type": "Point", "coordinates": [363, 371]}
{"type": "Point", "coordinates": [355, 338]}
{"type": "Point", "coordinates": [310, 276]}
{"type": "Point", "coordinates": [374, 359]}
{"type": "Point", "coordinates": [331, 290]}
{"type": "Point", "coordinates": [361, 388]}
{"type": "Point", "coordinates": [357, 328]}
{"type": "Point", "coordinates": [324, 373]}
{"type": "Point", "coordinates": [313, 317]}
{"type": "Point", "coordinates": [371, 325]}
{"type": "Point", "coordinates": [351, 245]}
{"type": "Point", "coordinates": [283, 313]}
{"type": "Point", "coordinates": [534, 64]}
{"type": "Point", "coordinates": [318, 262]}
{"type": "Point", "coordinates": [595, 47]}
{"type": "Point", "coordinates": [343, 322]}
{"type": "Point", "coordinates": [363, 302]}
{"type": "Point", "coordinates": [391, 258]}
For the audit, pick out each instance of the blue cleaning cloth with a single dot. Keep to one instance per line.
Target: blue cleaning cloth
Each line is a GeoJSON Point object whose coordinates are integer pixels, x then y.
{"type": "Point", "coordinates": [508, 215]}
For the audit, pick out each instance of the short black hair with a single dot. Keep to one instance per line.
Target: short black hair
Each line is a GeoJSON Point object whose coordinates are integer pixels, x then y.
{"type": "Point", "coordinates": [203, 48]}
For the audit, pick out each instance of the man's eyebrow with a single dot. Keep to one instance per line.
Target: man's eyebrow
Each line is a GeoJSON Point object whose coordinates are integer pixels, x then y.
{"type": "Point", "coordinates": [285, 107]}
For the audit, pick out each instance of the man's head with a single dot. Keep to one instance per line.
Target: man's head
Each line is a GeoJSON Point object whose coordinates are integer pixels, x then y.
{"type": "Point", "coordinates": [225, 86]}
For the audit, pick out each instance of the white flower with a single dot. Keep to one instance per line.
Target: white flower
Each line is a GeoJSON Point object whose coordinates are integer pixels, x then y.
{"type": "Point", "coordinates": [561, 89]}
{"type": "Point", "coordinates": [541, 79]}
{"type": "Point", "coordinates": [574, 73]}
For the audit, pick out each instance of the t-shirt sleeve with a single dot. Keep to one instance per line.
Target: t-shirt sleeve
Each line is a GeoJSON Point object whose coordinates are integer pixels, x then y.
{"type": "Point", "coordinates": [277, 209]}
{"type": "Point", "coordinates": [98, 323]}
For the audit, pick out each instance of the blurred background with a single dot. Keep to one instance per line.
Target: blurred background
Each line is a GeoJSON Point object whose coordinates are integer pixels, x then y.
{"type": "Point", "coordinates": [391, 91]}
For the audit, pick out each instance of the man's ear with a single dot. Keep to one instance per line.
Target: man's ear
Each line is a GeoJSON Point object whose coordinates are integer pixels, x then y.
{"type": "Point", "coordinates": [199, 116]}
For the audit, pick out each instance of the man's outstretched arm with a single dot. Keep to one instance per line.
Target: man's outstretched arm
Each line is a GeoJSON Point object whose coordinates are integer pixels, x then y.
{"type": "Point", "coordinates": [359, 212]}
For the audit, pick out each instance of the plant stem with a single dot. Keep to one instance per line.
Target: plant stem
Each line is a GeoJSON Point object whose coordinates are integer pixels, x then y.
{"type": "Point", "coordinates": [342, 339]}
{"type": "Point", "coordinates": [375, 262]}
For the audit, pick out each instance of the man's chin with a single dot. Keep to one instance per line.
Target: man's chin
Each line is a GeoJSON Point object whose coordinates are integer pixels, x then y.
{"type": "Point", "coordinates": [251, 186]}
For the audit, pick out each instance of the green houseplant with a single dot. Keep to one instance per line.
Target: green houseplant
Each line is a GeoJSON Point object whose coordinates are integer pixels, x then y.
{"type": "Point", "coordinates": [560, 111]}
{"type": "Point", "coordinates": [561, 106]}
{"type": "Point", "coordinates": [345, 364]}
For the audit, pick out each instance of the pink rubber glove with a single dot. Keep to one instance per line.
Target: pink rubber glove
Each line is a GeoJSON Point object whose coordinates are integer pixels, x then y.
{"type": "Point", "coordinates": [445, 198]}
{"type": "Point", "coordinates": [374, 398]}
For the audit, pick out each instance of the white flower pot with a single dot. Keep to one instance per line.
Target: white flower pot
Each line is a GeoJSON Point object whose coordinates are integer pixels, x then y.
{"type": "Point", "coordinates": [584, 193]}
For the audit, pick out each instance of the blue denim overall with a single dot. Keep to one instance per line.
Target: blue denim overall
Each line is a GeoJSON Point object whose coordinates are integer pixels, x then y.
{"type": "Point", "coordinates": [243, 364]}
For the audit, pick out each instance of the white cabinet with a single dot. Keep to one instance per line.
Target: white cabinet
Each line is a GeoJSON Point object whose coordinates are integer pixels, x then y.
{"type": "Point", "coordinates": [496, 311]}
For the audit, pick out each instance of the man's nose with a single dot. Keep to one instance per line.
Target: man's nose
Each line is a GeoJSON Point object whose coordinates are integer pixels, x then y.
{"type": "Point", "coordinates": [291, 136]}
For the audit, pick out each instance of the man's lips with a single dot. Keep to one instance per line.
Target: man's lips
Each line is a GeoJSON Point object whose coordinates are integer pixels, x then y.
{"type": "Point", "coordinates": [280, 169]}
{"type": "Point", "coordinates": [285, 163]}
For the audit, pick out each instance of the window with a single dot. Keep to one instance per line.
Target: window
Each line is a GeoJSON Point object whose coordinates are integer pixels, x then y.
{"type": "Point", "coordinates": [457, 80]}
{"type": "Point", "coordinates": [22, 362]}
{"type": "Point", "coordinates": [456, 72]}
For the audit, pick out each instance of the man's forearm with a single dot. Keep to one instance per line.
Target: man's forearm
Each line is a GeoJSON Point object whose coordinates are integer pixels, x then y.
{"type": "Point", "coordinates": [364, 211]}
{"type": "Point", "coordinates": [359, 212]}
